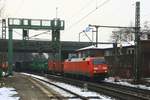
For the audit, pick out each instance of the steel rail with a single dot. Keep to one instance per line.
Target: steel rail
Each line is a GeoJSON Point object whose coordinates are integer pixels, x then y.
{"type": "Point", "coordinates": [128, 88]}
{"type": "Point", "coordinates": [115, 90]}
{"type": "Point", "coordinates": [66, 90]}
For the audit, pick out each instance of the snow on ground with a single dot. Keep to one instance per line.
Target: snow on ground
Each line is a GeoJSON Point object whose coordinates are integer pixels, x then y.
{"type": "Point", "coordinates": [147, 79]}
{"type": "Point", "coordinates": [36, 76]}
{"type": "Point", "coordinates": [8, 94]}
{"type": "Point", "coordinates": [82, 92]}
{"type": "Point", "coordinates": [76, 90]}
{"type": "Point", "coordinates": [88, 93]}
{"type": "Point", "coordinates": [111, 80]}
{"type": "Point", "coordinates": [72, 88]}
{"type": "Point", "coordinates": [58, 90]}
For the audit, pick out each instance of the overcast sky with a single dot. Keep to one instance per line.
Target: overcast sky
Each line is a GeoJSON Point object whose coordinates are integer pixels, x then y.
{"type": "Point", "coordinates": [109, 12]}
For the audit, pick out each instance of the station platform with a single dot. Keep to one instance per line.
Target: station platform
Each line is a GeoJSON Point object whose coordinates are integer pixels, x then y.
{"type": "Point", "coordinates": [28, 88]}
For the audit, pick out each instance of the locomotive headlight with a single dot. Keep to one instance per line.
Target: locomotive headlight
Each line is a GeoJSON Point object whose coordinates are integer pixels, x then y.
{"type": "Point", "coordinates": [95, 71]}
{"type": "Point", "coordinates": [95, 68]}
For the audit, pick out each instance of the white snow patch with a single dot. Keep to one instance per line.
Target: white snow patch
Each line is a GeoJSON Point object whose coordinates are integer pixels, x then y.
{"type": "Point", "coordinates": [36, 76]}
{"type": "Point", "coordinates": [108, 46]}
{"type": "Point", "coordinates": [8, 93]}
{"type": "Point", "coordinates": [57, 90]}
{"type": "Point", "coordinates": [81, 92]}
{"type": "Point", "coordinates": [111, 80]}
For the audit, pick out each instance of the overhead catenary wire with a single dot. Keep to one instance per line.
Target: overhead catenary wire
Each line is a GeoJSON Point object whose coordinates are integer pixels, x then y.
{"type": "Point", "coordinates": [88, 36]}
{"type": "Point", "coordinates": [83, 8]}
{"type": "Point", "coordinates": [17, 33]}
{"type": "Point", "coordinates": [92, 11]}
{"type": "Point", "coordinates": [46, 32]}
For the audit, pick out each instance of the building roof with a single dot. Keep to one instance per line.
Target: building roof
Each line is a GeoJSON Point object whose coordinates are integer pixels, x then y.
{"type": "Point", "coordinates": [107, 46]}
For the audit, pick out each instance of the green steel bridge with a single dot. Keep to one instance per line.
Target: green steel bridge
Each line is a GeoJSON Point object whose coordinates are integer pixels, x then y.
{"type": "Point", "coordinates": [41, 46]}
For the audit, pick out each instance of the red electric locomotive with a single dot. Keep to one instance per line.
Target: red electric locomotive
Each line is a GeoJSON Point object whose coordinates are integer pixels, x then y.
{"type": "Point", "coordinates": [90, 67]}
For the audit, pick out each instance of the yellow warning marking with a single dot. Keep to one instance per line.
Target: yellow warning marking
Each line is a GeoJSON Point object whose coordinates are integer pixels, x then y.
{"type": "Point", "coordinates": [41, 88]}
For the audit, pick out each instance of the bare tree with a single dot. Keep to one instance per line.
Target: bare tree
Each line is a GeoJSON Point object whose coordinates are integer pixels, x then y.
{"type": "Point", "coordinates": [127, 34]}
{"type": "Point", "coordinates": [145, 32]}
{"type": "Point", "coordinates": [122, 35]}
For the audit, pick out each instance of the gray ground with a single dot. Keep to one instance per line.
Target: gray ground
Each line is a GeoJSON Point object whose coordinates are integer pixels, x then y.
{"type": "Point", "coordinates": [27, 88]}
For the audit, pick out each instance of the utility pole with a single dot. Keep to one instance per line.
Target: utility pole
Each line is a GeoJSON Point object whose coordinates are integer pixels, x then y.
{"type": "Point", "coordinates": [96, 27]}
{"type": "Point", "coordinates": [10, 51]}
{"type": "Point", "coordinates": [3, 55]}
{"type": "Point", "coordinates": [137, 62]}
{"type": "Point", "coordinates": [56, 12]}
{"type": "Point", "coordinates": [79, 35]}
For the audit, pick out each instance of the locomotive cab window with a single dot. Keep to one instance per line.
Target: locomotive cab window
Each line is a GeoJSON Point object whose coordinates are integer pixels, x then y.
{"type": "Point", "coordinates": [98, 61]}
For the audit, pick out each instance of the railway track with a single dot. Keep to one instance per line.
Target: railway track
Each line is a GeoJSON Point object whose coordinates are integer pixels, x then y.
{"type": "Point", "coordinates": [133, 91]}
{"type": "Point", "coordinates": [114, 90]}
{"type": "Point", "coordinates": [58, 97]}
{"type": "Point", "coordinates": [120, 92]}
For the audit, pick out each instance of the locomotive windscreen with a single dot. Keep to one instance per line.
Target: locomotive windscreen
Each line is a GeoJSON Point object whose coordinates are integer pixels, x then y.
{"type": "Point", "coordinates": [98, 61]}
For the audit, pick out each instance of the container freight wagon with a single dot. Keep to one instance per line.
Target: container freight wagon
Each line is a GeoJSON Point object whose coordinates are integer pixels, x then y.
{"type": "Point", "coordinates": [39, 66]}
{"type": "Point", "coordinates": [90, 67]}
{"type": "Point", "coordinates": [55, 67]}
{"type": "Point", "coordinates": [32, 66]}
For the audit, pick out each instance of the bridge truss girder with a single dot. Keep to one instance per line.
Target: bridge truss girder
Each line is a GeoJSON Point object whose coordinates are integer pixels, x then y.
{"type": "Point", "coordinates": [35, 24]}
